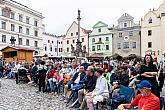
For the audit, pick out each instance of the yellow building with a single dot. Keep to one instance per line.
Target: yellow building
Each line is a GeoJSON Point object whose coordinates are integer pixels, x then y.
{"type": "Point", "coordinates": [153, 33]}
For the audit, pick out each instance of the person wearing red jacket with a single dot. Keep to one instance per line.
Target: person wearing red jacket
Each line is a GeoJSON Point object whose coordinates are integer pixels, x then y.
{"type": "Point", "coordinates": [145, 101]}
{"type": "Point", "coordinates": [50, 74]}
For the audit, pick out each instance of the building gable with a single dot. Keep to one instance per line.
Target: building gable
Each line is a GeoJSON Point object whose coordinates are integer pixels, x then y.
{"type": "Point", "coordinates": [125, 17]}
{"type": "Point", "coordinates": [74, 29]}
{"type": "Point", "coordinates": [100, 28]}
{"type": "Point", "coordinates": [161, 8]}
{"type": "Point", "coordinates": [100, 24]}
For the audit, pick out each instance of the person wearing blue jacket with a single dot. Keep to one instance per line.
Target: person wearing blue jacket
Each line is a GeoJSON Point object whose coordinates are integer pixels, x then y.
{"type": "Point", "coordinates": [77, 77]}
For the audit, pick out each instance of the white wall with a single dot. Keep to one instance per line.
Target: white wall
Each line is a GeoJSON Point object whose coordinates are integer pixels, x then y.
{"type": "Point", "coordinates": [33, 15]}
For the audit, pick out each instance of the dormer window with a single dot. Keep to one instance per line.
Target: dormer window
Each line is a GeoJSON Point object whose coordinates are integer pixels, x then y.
{"type": "Point", "coordinates": [125, 24]}
{"type": "Point", "coordinates": [150, 20]}
{"type": "Point", "coordinates": [99, 30]}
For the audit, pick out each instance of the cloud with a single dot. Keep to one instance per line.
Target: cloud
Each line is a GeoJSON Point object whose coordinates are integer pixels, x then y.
{"type": "Point", "coordinates": [59, 14]}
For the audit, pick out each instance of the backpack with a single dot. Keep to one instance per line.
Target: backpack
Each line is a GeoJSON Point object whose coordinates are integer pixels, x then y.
{"type": "Point", "coordinates": [115, 101]}
{"type": "Point", "coordinates": [34, 70]}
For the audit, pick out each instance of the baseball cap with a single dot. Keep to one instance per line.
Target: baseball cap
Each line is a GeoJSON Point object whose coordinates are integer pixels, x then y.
{"type": "Point", "coordinates": [144, 84]}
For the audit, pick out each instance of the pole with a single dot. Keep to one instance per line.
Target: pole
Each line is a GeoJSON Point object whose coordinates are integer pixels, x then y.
{"type": "Point", "coordinates": [88, 44]}
{"type": "Point", "coordinates": [78, 19]}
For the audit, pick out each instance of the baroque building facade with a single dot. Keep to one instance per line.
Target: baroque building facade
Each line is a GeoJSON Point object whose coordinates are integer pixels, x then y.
{"type": "Point", "coordinates": [100, 40]}
{"type": "Point", "coordinates": [20, 26]}
{"type": "Point", "coordinates": [126, 36]}
{"type": "Point", "coordinates": [153, 32]}
{"type": "Point", "coordinates": [52, 44]}
{"type": "Point", "coordinates": [70, 39]}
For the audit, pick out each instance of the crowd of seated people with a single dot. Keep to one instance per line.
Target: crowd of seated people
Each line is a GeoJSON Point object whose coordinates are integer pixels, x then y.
{"type": "Point", "coordinates": [85, 85]}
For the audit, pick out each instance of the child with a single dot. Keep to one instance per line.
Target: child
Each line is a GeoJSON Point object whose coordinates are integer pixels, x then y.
{"type": "Point", "coordinates": [57, 79]}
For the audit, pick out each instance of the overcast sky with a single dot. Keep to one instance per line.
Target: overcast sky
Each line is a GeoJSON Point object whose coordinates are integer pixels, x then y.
{"type": "Point", "coordinates": [59, 14]}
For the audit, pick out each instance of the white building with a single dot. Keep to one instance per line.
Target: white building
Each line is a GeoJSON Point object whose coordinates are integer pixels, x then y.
{"type": "Point", "coordinates": [21, 23]}
{"type": "Point", "coordinates": [60, 45]}
{"type": "Point", "coordinates": [52, 44]}
{"type": "Point", "coordinates": [71, 38]}
{"type": "Point", "coordinates": [153, 32]}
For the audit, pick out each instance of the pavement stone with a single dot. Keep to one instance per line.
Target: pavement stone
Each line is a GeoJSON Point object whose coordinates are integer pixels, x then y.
{"type": "Point", "coordinates": [24, 97]}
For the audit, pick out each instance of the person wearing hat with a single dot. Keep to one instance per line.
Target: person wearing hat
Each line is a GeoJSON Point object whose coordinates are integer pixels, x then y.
{"type": "Point", "coordinates": [145, 101]}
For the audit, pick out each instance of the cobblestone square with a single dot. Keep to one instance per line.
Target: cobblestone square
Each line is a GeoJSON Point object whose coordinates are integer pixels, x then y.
{"type": "Point", "coordinates": [24, 97]}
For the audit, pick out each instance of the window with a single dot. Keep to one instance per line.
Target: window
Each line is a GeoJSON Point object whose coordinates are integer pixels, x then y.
{"type": "Point", "coordinates": [99, 39]}
{"type": "Point", "coordinates": [12, 15]}
{"type": "Point", "coordinates": [20, 18]}
{"type": "Point", "coordinates": [52, 42]}
{"type": "Point", "coordinates": [67, 41]}
{"type": "Point", "coordinates": [35, 44]}
{"type": "Point", "coordinates": [35, 23]}
{"type": "Point", "coordinates": [125, 24]}
{"type": "Point", "coordinates": [3, 25]}
{"type": "Point", "coordinates": [119, 45]}
{"type": "Point", "coordinates": [12, 40]}
{"type": "Point", "coordinates": [4, 38]}
{"type": "Point", "coordinates": [73, 41]}
{"type": "Point", "coordinates": [98, 47]}
{"type": "Point", "coordinates": [55, 49]}
{"type": "Point", "coordinates": [45, 48]}
{"type": "Point", "coordinates": [51, 48]}
{"type": "Point", "coordinates": [107, 47]}
{"type": "Point", "coordinates": [61, 42]}
{"type": "Point", "coordinates": [48, 41]}
{"type": "Point", "coordinates": [12, 27]}
{"type": "Point", "coordinates": [27, 42]}
{"type": "Point", "coordinates": [125, 45]}
{"type": "Point", "coordinates": [36, 33]}
{"type": "Point", "coordinates": [93, 48]}
{"type": "Point", "coordinates": [133, 44]}
{"type": "Point", "coordinates": [20, 41]}
{"type": "Point", "coordinates": [67, 49]}
{"type": "Point", "coordinates": [99, 30]}
{"type": "Point", "coordinates": [150, 20]}
{"type": "Point", "coordinates": [6, 12]}
{"type": "Point", "coordinates": [93, 39]}
{"type": "Point", "coordinates": [107, 39]}
{"type": "Point", "coordinates": [27, 20]}
{"type": "Point", "coordinates": [149, 32]}
{"type": "Point", "coordinates": [131, 33]}
{"type": "Point", "coordinates": [82, 39]}
{"type": "Point", "coordinates": [149, 44]}
{"type": "Point", "coordinates": [58, 42]}
{"type": "Point", "coordinates": [27, 31]}
{"type": "Point", "coordinates": [20, 29]}
{"type": "Point", "coordinates": [71, 34]}
{"type": "Point", "coordinates": [60, 49]}
{"type": "Point", "coordinates": [3, 12]}
{"type": "Point", "coordinates": [76, 33]}
{"type": "Point", "coordinates": [120, 34]}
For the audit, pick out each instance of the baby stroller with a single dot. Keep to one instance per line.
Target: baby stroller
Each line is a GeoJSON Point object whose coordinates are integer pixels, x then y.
{"type": "Point", "coordinates": [21, 75]}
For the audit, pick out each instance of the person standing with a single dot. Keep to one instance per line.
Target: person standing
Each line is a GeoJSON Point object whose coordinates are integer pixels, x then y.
{"type": "Point", "coordinates": [161, 76]}
{"type": "Point", "coordinates": [149, 72]}
{"type": "Point", "coordinates": [42, 75]}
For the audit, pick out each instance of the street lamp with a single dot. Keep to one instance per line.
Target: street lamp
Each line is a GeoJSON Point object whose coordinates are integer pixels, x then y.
{"type": "Point", "coordinates": [12, 40]}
